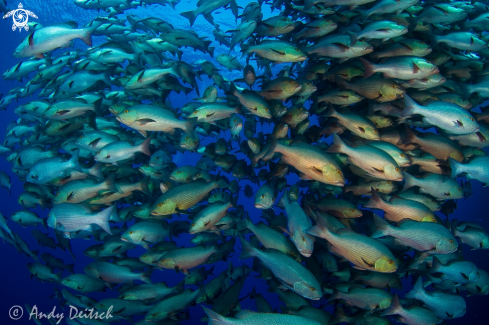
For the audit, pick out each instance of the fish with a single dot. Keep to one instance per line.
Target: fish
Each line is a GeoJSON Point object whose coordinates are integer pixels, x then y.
{"type": "Point", "coordinates": [443, 305]}
{"type": "Point", "coordinates": [291, 273]}
{"type": "Point", "coordinates": [49, 38]}
{"type": "Point", "coordinates": [368, 254]}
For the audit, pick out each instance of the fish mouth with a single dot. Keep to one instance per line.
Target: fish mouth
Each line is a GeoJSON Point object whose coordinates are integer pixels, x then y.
{"type": "Point", "coordinates": [399, 179]}
{"type": "Point", "coordinates": [124, 239]}
{"type": "Point", "coordinates": [405, 165]}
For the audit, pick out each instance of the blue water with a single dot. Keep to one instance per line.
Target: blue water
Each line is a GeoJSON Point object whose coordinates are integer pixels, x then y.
{"type": "Point", "coordinates": [16, 286]}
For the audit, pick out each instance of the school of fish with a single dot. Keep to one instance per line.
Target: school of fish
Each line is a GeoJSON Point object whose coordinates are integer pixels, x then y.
{"type": "Point", "coordinates": [348, 129]}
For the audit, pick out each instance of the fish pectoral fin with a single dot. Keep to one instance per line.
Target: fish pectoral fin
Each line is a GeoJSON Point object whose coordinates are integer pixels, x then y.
{"type": "Point", "coordinates": [94, 142]}
{"type": "Point", "coordinates": [378, 170]}
{"type": "Point", "coordinates": [341, 46]}
{"type": "Point", "coordinates": [120, 311]}
{"type": "Point", "coordinates": [145, 121]}
{"type": "Point", "coordinates": [369, 264]}
{"type": "Point", "coordinates": [415, 68]}
{"type": "Point", "coordinates": [284, 230]}
{"type": "Point", "coordinates": [140, 77]}
{"type": "Point", "coordinates": [277, 51]}
{"type": "Point", "coordinates": [361, 129]}
{"type": "Point", "coordinates": [449, 315]}
{"type": "Point", "coordinates": [464, 276]}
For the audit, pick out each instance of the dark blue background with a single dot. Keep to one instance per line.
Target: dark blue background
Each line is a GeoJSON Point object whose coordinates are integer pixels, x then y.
{"type": "Point", "coordinates": [16, 287]}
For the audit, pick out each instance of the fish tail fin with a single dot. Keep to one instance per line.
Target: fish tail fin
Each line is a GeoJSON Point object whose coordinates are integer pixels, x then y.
{"type": "Point", "coordinates": [190, 15]}
{"type": "Point", "coordinates": [335, 295]}
{"type": "Point", "coordinates": [234, 201]}
{"type": "Point", "coordinates": [110, 184]}
{"type": "Point", "coordinates": [456, 167]}
{"type": "Point", "coordinates": [330, 111]}
{"type": "Point", "coordinates": [87, 33]}
{"type": "Point", "coordinates": [395, 307]}
{"type": "Point", "coordinates": [339, 316]}
{"type": "Point", "coordinates": [437, 264]}
{"type": "Point", "coordinates": [97, 107]}
{"type": "Point", "coordinates": [96, 170]}
{"type": "Point", "coordinates": [144, 147]}
{"type": "Point", "coordinates": [245, 223]}
{"type": "Point", "coordinates": [466, 90]}
{"type": "Point", "coordinates": [214, 318]}
{"type": "Point", "coordinates": [410, 136]}
{"type": "Point", "coordinates": [221, 183]}
{"type": "Point", "coordinates": [71, 268]}
{"type": "Point", "coordinates": [364, 15]}
{"type": "Point", "coordinates": [144, 185]}
{"type": "Point", "coordinates": [320, 229]}
{"type": "Point", "coordinates": [190, 125]}
{"type": "Point", "coordinates": [353, 38]}
{"type": "Point", "coordinates": [271, 149]}
{"type": "Point", "coordinates": [434, 41]}
{"type": "Point", "coordinates": [382, 227]}
{"type": "Point", "coordinates": [247, 249]}
{"type": "Point", "coordinates": [75, 164]}
{"type": "Point", "coordinates": [369, 68]}
{"type": "Point", "coordinates": [146, 276]}
{"type": "Point", "coordinates": [338, 145]}
{"type": "Point", "coordinates": [411, 106]}
{"type": "Point", "coordinates": [409, 181]}
{"type": "Point", "coordinates": [211, 49]}
{"type": "Point", "coordinates": [417, 290]}
{"type": "Point", "coordinates": [375, 202]}
{"type": "Point", "coordinates": [102, 219]}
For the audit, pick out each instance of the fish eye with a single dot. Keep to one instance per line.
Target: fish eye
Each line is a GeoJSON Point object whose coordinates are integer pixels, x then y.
{"type": "Point", "coordinates": [101, 305]}
{"type": "Point", "coordinates": [263, 196]}
{"type": "Point", "coordinates": [57, 194]}
{"type": "Point", "coordinates": [472, 119]}
{"type": "Point", "coordinates": [397, 169]}
{"type": "Point", "coordinates": [352, 210]}
{"type": "Point", "coordinates": [126, 111]}
{"type": "Point", "coordinates": [160, 204]}
{"type": "Point", "coordinates": [375, 131]}
{"type": "Point", "coordinates": [131, 232]}
{"type": "Point", "coordinates": [389, 182]}
{"type": "Point", "coordinates": [292, 253]}
{"type": "Point", "coordinates": [303, 238]}
{"type": "Point", "coordinates": [266, 109]}
{"type": "Point", "coordinates": [338, 171]}
{"type": "Point", "coordinates": [81, 137]}
{"type": "Point", "coordinates": [193, 225]}
{"type": "Point", "coordinates": [312, 288]}
{"type": "Point", "coordinates": [402, 155]}
{"type": "Point", "coordinates": [451, 241]}
{"type": "Point", "coordinates": [391, 262]}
